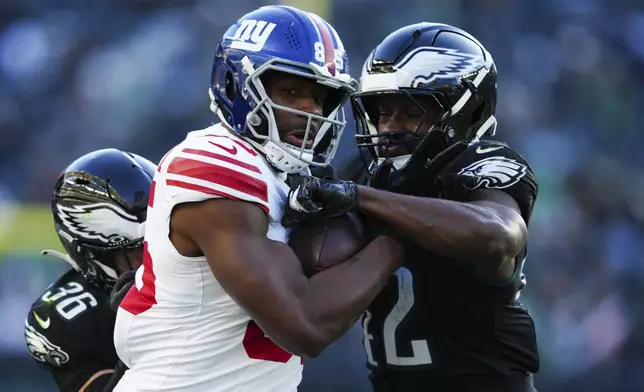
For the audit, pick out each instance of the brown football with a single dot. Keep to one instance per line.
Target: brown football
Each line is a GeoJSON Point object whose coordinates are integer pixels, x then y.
{"type": "Point", "coordinates": [329, 243]}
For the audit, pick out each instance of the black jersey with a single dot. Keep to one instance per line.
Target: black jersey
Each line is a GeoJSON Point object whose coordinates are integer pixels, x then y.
{"type": "Point", "coordinates": [69, 331]}
{"type": "Point", "coordinates": [433, 324]}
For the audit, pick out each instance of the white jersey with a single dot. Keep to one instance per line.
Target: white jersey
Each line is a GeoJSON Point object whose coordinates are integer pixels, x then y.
{"type": "Point", "coordinates": [177, 329]}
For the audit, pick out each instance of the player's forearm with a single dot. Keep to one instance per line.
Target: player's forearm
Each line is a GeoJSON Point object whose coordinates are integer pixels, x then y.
{"type": "Point", "coordinates": [450, 229]}
{"type": "Point", "coordinates": [302, 315]}
{"type": "Point", "coordinates": [337, 297]}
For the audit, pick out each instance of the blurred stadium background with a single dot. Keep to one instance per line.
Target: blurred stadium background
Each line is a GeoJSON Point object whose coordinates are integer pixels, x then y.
{"type": "Point", "coordinates": [78, 75]}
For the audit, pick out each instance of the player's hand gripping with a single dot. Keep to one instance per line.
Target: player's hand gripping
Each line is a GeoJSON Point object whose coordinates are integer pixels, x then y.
{"type": "Point", "coordinates": [121, 287]}
{"type": "Point", "coordinates": [313, 199]}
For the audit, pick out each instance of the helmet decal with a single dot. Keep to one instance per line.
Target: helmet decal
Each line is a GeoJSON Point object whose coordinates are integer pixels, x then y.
{"type": "Point", "coordinates": [105, 222]}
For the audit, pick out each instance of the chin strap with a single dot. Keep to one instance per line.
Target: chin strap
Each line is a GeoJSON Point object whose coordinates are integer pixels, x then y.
{"type": "Point", "coordinates": [63, 256]}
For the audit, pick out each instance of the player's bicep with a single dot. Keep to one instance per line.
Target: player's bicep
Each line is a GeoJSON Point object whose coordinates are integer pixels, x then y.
{"type": "Point", "coordinates": [263, 276]}
{"type": "Point", "coordinates": [511, 232]}
{"type": "Point", "coordinates": [506, 209]}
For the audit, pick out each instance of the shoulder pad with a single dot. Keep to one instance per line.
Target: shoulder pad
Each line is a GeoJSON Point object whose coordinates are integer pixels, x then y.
{"type": "Point", "coordinates": [39, 346]}
{"type": "Point", "coordinates": [215, 165]}
{"type": "Point", "coordinates": [495, 165]}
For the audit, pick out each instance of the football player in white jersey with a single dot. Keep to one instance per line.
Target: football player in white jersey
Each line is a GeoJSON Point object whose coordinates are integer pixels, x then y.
{"type": "Point", "coordinates": [221, 302]}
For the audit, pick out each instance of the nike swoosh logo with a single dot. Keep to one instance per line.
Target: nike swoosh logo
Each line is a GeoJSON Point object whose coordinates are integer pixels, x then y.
{"type": "Point", "coordinates": [231, 150]}
{"type": "Point", "coordinates": [293, 203]}
{"type": "Point", "coordinates": [483, 150]}
{"type": "Point", "coordinates": [44, 324]}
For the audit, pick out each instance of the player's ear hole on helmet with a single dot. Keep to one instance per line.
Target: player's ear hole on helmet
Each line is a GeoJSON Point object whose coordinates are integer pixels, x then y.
{"type": "Point", "coordinates": [229, 86]}
{"type": "Point", "coordinates": [477, 114]}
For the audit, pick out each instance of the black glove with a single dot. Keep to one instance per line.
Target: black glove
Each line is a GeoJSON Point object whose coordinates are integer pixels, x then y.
{"type": "Point", "coordinates": [419, 174]}
{"type": "Point", "coordinates": [313, 200]}
{"type": "Point", "coordinates": [439, 163]}
{"type": "Point", "coordinates": [326, 172]}
{"type": "Point", "coordinates": [121, 287]}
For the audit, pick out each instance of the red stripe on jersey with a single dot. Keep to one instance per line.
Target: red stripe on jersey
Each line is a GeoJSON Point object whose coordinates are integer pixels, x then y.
{"type": "Point", "coordinates": [220, 175]}
{"type": "Point", "coordinates": [238, 142]}
{"type": "Point", "coordinates": [138, 301]}
{"type": "Point", "coordinates": [163, 159]}
{"type": "Point", "coordinates": [148, 291]}
{"type": "Point", "coordinates": [259, 346]}
{"type": "Point", "coordinates": [327, 41]}
{"type": "Point", "coordinates": [223, 158]}
{"type": "Point", "coordinates": [153, 188]}
{"type": "Point", "coordinates": [210, 191]}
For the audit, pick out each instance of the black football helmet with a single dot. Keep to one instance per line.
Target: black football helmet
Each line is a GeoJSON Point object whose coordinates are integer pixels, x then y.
{"type": "Point", "coordinates": [427, 61]}
{"type": "Point", "coordinates": [99, 205]}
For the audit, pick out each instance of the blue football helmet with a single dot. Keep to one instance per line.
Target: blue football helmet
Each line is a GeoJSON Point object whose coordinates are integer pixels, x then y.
{"type": "Point", "coordinates": [282, 39]}
{"type": "Point", "coordinates": [99, 206]}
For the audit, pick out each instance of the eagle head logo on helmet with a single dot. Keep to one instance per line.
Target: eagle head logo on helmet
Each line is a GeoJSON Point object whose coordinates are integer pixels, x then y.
{"type": "Point", "coordinates": [103, 222]}
{"type": "Point", "coordinates": [442, 63]}
{"type": "Point", "coordinates": [495, 172]}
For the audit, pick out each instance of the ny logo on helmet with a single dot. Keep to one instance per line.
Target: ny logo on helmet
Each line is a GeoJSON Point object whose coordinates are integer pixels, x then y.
{"type": "Point", "coordinates": [251, 35]}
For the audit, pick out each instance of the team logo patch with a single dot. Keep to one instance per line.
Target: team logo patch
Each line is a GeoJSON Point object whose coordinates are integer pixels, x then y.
{"type": "Point", "coordinates": [101, 221]}
{"type": "Point", "coordinates": [42, 349]}
{"type": "Point", "coordinates": [251, 35]}
{"type": "Point", "coordinates": [495, 172]}
{"type": "Point", "coordinates": [439, 63]}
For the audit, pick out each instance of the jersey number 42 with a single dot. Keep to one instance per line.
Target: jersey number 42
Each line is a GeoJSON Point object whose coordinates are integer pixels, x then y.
{"type": "Point", "coordinates": [420, 348]}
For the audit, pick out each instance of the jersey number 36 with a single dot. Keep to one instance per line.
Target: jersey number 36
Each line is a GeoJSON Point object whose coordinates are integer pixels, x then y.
{"type": "Point", "coordinates": [71, 300]}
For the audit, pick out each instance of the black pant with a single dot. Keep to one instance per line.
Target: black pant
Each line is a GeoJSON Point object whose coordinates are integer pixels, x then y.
{"type": "Point", "coordinates": [119, 371]}
{"type": "Point", "coordinates": [406, 382]}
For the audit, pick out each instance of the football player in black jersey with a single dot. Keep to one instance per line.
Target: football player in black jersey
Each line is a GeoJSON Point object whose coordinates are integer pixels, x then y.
{"type": "Point", "coordinates": [98, 205]}
{"type": "Point", "coordinates": [449, 319]}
